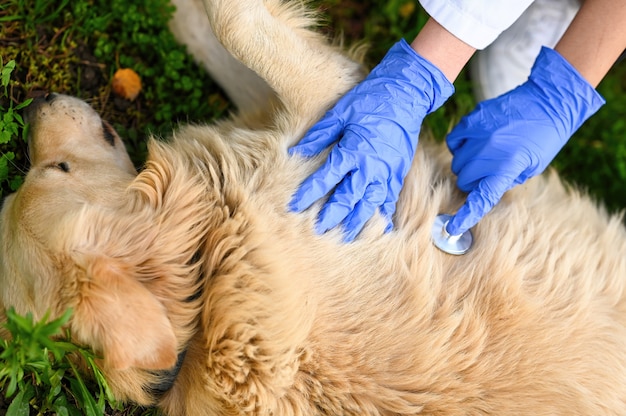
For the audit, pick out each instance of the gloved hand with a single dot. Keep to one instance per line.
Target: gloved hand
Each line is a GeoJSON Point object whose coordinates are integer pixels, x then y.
{"type": "Point", "coordinates": [375, 127]}
{"type": "Point", "coordinates": [511, 138]}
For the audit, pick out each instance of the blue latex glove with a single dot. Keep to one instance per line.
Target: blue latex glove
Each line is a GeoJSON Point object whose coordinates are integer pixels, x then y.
{"type": "Point", "coordinates": [511, 138]}
{"type": "Point", "coordinates": [375, 127]}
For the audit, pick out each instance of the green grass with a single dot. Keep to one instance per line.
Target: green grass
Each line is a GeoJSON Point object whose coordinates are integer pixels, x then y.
{"type": "Point", "coordinates": [74, 47]}
{"type": "Point", "coordinates": [39, 370]}
{"type": "Point", "coordinates": [11, 126]}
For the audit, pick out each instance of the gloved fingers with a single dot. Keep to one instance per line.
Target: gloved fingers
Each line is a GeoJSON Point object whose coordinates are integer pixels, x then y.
{"type": "Point", "coordinates": [478, 203]}
{"type": "Point", "coordinates": [363, 211]}
{"type": "Point", "coordinates": [388, 208]}
{"type": "Point", "coordinates": [456, 138]}
{"type": "Point", "coordinates": [477, 149]}
{"type": "Point", "coordinates": [461, 156]}
{"type": "Point", "coordinates": [342, 202]}
{"type": "Point", "coordinates": [461, 133]}
{"type": "Point", "coordinates": [480, 125]}
{"type": "Point", "coordinates": [324, 133]}
{"type": "Point", "coordinates": [338, 166]}
{"type": "Point", "coordinates": [312, 188]}
{"type": "Point", "coordinates": [477, 169]}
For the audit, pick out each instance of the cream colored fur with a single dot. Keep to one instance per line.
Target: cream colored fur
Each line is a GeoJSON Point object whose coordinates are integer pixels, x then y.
{"type": "Point", "coordinates": [198, 253]}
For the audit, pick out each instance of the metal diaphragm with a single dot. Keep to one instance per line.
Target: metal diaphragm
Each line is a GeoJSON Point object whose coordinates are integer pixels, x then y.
{"type": "Point", "coordinates": [451, 244]}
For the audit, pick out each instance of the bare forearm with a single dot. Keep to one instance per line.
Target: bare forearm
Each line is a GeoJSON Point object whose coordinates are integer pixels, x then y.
{"type": "Point", "coordinates": [442, 49]}
{"type": "Point", "coordinates": [596, 38]}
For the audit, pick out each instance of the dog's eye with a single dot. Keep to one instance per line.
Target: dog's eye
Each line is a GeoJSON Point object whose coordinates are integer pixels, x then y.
{"type": "Point", "coordinates": [63, 166]}
{"type": "Point", "coordinates": [109, 133]}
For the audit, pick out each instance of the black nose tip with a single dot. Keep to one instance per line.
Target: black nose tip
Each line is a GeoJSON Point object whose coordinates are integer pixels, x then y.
{"type": "Point", "coordinates": [50, 97]}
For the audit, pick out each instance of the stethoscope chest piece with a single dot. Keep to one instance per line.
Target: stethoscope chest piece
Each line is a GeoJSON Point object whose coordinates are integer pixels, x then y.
{"type": "Point", "coordinates": [451, 244]}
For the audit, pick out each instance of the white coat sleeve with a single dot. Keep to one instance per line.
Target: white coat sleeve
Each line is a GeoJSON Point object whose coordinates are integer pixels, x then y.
{"type": "Point", "coordinates": [475, 22]}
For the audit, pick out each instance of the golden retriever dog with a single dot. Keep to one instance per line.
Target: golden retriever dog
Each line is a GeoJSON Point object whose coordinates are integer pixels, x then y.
{"type": "Point", "coordinates": [204, 296]}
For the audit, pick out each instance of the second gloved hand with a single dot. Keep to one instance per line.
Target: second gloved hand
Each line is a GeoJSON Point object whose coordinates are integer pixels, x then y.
{"type": "Point", "coordinates": [511, 138]}
{"type": "Point", "coordinates": [375, 129]}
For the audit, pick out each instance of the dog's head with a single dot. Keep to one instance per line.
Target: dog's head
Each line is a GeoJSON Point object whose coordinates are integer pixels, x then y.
{"type": "Point", "coordinates": [48, 258]}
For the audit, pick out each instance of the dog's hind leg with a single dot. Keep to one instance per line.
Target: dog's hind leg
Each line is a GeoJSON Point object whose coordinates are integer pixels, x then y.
{"type": "Point", "coordinates": [191, 27]}
{"type": "Point", "coordinates": [274, 39]}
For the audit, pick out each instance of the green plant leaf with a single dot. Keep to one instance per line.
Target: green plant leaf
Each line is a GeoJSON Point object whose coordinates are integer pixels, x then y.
{"type": "Point", "coordinates": [15, 373]}
{"type": "Point", "coordinates": [5, 73]}
{"type": "Point", "coordinates": [23, 104]}
{"type": "Point", "coordinates": [20, 404]}
{"type": "Point", "coordinates": [15, 182]}
{"type": "Point", "coordinates": [86, 400]}
{"type": "Point", "coordinates": [4, 166]}
{"type": "Point", "coordinates": [106, 395]}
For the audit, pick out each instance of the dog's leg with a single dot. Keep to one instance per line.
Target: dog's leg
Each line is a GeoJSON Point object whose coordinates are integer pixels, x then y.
{"type": "Point", "coordinates": [191, 27]}
{"type": "Point", "coordinates": [273, 39]}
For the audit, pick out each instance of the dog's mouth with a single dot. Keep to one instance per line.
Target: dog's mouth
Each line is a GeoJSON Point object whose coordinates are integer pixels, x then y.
{"type": "Point", "coordinates": [167, 377]}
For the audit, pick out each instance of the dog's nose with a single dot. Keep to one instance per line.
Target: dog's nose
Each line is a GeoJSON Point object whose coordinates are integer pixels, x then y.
{"type": "Point", "coordinates": [50, 97]}
{"type": "Point", "coordinates": [31, 110]}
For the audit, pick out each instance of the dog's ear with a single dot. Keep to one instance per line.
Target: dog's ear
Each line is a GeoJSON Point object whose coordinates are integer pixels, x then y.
{"type": "Point", "coordinates": [119, 316]}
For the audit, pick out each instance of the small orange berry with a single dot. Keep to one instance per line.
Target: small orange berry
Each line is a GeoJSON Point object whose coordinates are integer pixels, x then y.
{"type": "Point", "coordinates": [126, 83]}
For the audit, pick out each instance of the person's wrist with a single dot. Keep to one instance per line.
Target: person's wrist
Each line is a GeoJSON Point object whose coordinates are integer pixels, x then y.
{"type": "Point", "coordinates": [444, 50]}
{"type": "Point", "coordinates": [442, 87]}
{"type": "Point", "coordinates": [426, 84]}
